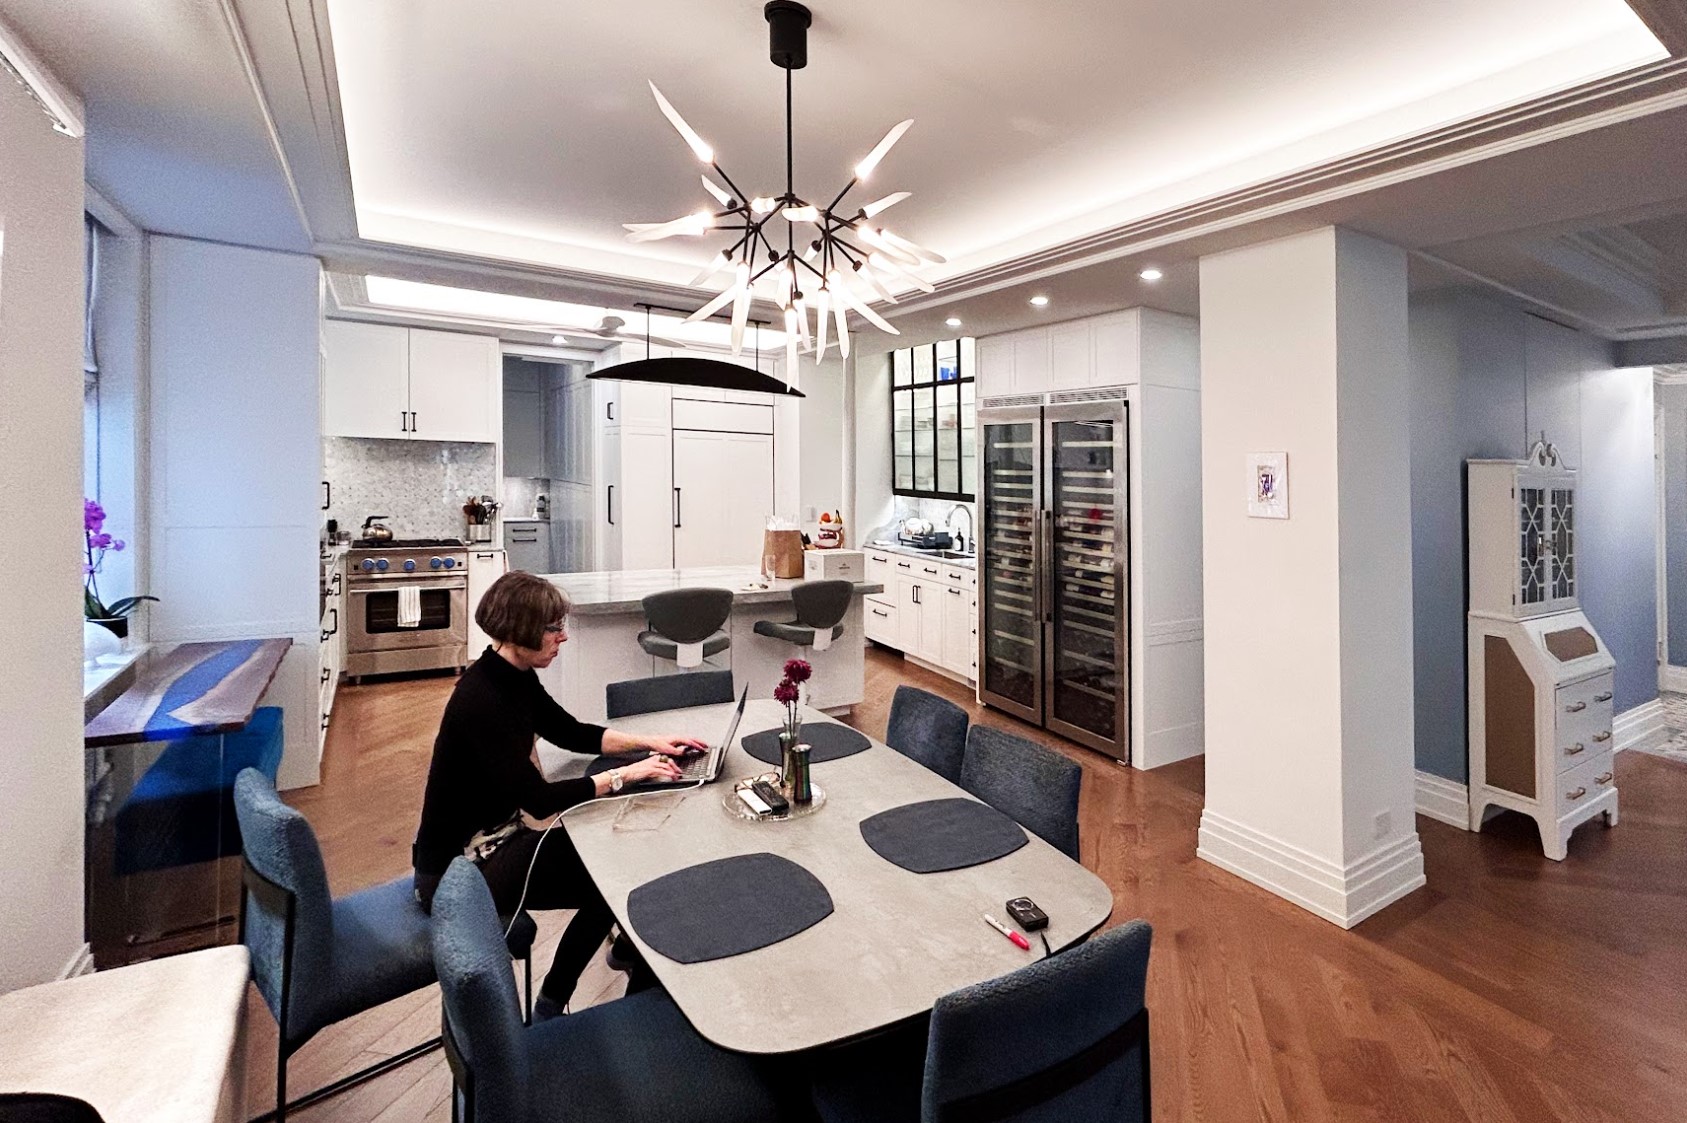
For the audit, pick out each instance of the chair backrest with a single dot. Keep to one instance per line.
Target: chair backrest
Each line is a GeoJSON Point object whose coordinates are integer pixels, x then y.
{"type": "Point", "coordinates": [688, 615]}
{"type": "Point", "coordinates": [481, 1007]}
{"type": "Point", "coordinates": [281, 848]}
{"type": "Point", "coordinates": [667, 692]}
{"type": "Point", "coordinates": [1035, 785]}
{"type": "Point", "coordinates": [821, 604]}
{"type": "Point", "coordinates": [45, 1107]}
{"type": "Point", "coordinates": [1063, 1038]}
{"type": "Point", "coordinates": [928, 729]}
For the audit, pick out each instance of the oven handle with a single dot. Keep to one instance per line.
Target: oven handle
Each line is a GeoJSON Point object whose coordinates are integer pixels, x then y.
{"type": "Point", "coordinates": [390, 584]}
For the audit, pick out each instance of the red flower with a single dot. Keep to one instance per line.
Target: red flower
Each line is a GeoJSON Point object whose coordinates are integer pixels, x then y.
{"type": "Point", "coordinates": [798, 670]}
{"type": "Point", "coordinates": [785, 692]}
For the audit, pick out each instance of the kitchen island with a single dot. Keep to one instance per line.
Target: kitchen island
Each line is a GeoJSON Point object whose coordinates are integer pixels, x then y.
{"type": "Point", "coordinates": [608, 615]}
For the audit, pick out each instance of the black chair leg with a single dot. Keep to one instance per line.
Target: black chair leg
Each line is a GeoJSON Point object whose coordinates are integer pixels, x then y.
{"type": "Point", "coordinates": [527, 987]}
{"type": "Point", "coordinates": [280, 1081]}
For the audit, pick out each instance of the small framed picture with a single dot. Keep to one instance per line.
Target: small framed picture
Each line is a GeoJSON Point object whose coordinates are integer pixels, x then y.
{"type": "Point", "coordinates": [1268, 485]}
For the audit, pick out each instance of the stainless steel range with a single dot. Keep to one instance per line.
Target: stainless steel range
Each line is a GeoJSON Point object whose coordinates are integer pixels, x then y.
{"type": "Point", "coordinates": [429, 576]}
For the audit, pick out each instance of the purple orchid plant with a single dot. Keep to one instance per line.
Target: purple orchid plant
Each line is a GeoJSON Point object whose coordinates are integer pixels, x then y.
{"type": "Point", "coordinates": [98, 543]}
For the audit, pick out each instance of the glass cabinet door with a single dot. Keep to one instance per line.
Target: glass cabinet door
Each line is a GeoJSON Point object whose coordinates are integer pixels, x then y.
{"type": "Point", "coordinates": [1561, 568]}
{"type": "Point", "coordinates": [1532, 545]}
{"type": "Point", "coordinates": [1086, 674]}
{"type": "Point", "coordinates": [1010, 629]}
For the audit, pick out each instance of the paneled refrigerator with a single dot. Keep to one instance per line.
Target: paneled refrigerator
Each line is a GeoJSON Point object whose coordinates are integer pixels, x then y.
{"type": "Point", "coordinates": [1054, 633]}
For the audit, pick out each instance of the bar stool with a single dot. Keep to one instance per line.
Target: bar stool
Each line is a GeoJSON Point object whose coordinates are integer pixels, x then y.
{"type": "Point", "coordinates": [685, 625]}
{"type": "Point", "coordinates": [820, 606]}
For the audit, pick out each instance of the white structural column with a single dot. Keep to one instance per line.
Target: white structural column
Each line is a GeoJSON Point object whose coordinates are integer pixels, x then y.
{"type": "Point", "coordinates": [1309, 618]}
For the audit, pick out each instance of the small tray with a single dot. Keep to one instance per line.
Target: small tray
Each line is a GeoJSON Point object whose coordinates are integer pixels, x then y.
{"type": "Point", "coordinates": [735, 806]}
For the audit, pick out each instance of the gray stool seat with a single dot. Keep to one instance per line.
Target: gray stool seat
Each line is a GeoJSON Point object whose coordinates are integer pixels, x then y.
{"type": "Point", "coordinates": [792, 633]}
{"type": "Point", "coordinates": [659, 645]}
{"type": "Point", "coordinates": [820, 605]}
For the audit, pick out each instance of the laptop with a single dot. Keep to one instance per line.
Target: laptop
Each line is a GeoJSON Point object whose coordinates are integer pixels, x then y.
{"type": "Point", "coordinates": [703, 767]}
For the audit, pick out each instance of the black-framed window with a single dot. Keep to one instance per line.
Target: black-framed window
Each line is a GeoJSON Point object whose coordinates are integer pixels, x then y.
{"type": "Point", "coordinates": [933, 420]}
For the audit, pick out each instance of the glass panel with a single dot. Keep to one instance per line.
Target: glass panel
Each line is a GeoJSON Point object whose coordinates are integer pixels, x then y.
{"type": "Point", "coordinates": [969, 440]}
{"type": "Point", "coordinates": [902, 436]}
{"type": "Point", "coordinates": [1563, 543]}
{"type": "Point", "coordinates": [925, 440]}
{"type": "Point", "coordinates": [1086, 571]}
{"type": "Point", "coordinates": [948, 361]}
{"type": "Point", "coordinates": [948, 439]}
{"type": "Point", "coordinates": [1008, 649]}
{"type": "Point", "coordinates": [922, 365]}
{"type": "Point", "coordinates": [901, 367]}
{"type": "Point", "coordinates": [1531, 518]}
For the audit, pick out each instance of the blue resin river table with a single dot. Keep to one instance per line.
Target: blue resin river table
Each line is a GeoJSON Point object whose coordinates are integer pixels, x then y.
{"type": "Point", "coordinates": [162, 843]}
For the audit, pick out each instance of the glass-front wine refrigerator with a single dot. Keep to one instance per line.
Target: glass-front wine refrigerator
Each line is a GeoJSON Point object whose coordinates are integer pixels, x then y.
{"type": "Point", "coordinates": [1054, 633]}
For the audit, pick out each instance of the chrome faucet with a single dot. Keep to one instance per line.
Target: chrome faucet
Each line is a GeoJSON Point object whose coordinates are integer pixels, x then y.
{"type": "Point", "coordinates": [949, 521]}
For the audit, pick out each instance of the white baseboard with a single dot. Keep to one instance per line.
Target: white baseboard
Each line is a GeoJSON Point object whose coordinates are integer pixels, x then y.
{"type": "Point", "coordinates": [1633, 726]}
{"type": "Point", "coordinates": [1342, 895]}
{"type": "Point", "coordinates": [81, 963]}
{"type": "Point", "coordinates": [1445, 801]}
{"type": "Point", "coordinates": [1167, 746]}
{"type": "Point", "coordinates": [1673, 679]}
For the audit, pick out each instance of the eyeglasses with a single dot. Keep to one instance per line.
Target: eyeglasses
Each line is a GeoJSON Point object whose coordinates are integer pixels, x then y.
{"type": "Point", "coordinates": [560, 628]}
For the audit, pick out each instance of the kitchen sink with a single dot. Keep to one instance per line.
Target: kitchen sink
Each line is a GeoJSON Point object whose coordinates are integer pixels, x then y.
{"type": "Point", "coordinates": [956, 555]}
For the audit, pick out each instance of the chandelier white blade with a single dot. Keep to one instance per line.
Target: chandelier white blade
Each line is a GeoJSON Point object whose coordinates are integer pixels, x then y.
{"type": "Point", "coordinates": [813, 268]}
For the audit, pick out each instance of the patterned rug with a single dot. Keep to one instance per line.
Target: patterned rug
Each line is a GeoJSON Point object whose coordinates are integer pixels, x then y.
{"type": "Point", "coordinates": [1672, 742]}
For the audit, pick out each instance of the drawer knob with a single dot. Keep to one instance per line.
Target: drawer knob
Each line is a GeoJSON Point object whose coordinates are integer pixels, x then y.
{"type": "Point", "coordinates": [1603, 778]}
{"type": "Point", "coordinates": [1602, 737]}
{"type": "Point", "coordinates": [1605, 696]}
{"type": "Point", "coordinates": [1576, 793]}
{"type": "Point", "coordinates": [1574, 749]}
{"type": "Point", "coordinates": [1575, 708]}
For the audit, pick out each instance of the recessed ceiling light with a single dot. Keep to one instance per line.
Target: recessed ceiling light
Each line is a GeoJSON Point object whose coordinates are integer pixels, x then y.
{"type": "Point", "coordinates": [953, 321]}
{"type": "Point", "coordinates": [1039, 301]}
{"type": "Point", "coordinates": [1151, 274]}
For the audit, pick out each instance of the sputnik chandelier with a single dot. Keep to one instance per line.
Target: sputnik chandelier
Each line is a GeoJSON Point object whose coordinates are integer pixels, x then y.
{"type": "Point", "coordinates": [830, 272]}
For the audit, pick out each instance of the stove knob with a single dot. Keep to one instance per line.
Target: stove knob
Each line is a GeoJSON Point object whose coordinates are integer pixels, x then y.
{"type": "Point", "coordinates": [368, 564]}
{"type": "Point", "coordinates": [434, 563]}
{"type": "Point", "coordinates": [409, 565]}
{"type": "Point", "coordinates": [381, 564]}
{"type": "Point", "coordinates": [450, 563]}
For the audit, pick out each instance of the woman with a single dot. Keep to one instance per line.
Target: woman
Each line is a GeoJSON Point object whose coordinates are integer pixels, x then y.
{"type": "Point", "coordinates": [483, 775]}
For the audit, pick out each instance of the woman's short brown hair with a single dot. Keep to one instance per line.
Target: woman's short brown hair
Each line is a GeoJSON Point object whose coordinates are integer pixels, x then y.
{"type": "Point", "coordinates": [518, 607]}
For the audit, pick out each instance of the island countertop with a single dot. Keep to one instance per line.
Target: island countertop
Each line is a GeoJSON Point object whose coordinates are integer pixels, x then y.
{"type": "Point", "coordinates": [617, 592]}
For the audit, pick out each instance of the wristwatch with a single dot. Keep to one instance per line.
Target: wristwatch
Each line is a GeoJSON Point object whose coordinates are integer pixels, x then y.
{"type": "Point", "coordinates": [614, 779]}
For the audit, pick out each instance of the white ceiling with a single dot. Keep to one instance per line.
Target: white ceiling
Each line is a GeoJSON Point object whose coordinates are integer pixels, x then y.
{"type": "Point", "coordinates": [532, 136]}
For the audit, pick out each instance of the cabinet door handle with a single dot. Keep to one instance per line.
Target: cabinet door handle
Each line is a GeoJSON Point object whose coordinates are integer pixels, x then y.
{"type": "Point", "coordinates": [928, 569]}
{"type": "Point", "coordinates": [1601, 738]}
{"type": "Point", "coordinates": [1575, 707]}
{"type": "Point", "coordinates": [905, 565]}
{"type": "Point", "coordinates": [1603, 778]}
{"type": "Point", "coordinates": [413, 426]}
{"type": "Point", "coordinates": [334, 585]}
{"type": "Point", "coordinates": [676, 508]}
{"type": "Point", "coordinates": [325, 723]}
{"type": "Point", "coordinates": [880, 612]}
{"type": "Point", "coordinates": [403, 421]}
{"type": "Point", "coordinates": [916, 591]}
{"type": "Point", "coordinates": [1603, 697]}
{"type": "Point", "coordinates": [325, 674]}
{"type": "Point", "coordinates": [1575, 794]}
{"type": "Point", "coordinates": [953, 592]}
{"type": "Point", "coordinates": [1574, 749]}
{"type": "Point", "coordinates": [328, 633]}
{"type": "Point", "coordinates": [609, 411]}
{"type": "Point", "coordinates": [327, 495]}
{"type": "Point", "coordinates": [609, 502]}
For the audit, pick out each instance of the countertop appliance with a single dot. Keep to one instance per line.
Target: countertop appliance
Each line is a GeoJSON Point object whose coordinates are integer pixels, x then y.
{"type": "Point", "coordinates": [1054, 569]}
{"type": "Point", "coordinates": [376, 643]}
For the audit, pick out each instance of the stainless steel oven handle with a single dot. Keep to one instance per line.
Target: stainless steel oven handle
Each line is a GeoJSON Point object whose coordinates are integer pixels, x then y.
{"type": "Point", "coordinates": [393, 584]}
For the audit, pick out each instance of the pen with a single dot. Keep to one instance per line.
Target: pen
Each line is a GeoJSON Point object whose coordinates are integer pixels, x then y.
{"type": "Point", "coordinates": [1021, 941]}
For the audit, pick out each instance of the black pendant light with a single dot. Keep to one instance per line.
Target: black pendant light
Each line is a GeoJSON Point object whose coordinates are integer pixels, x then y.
{"type": "Point", "coordinates": [694, 370]}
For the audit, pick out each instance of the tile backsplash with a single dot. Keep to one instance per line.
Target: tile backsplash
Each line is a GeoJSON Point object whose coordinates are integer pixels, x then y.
{"type": "Point", "coordinates": [521, 495]}
{"type": "Point", "coordinates": [934, 511]}
{"type": "Point", "coordinates": [420, 485]}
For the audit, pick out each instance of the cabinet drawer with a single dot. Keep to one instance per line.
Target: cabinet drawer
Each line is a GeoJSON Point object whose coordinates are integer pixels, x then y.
{"type": "Point", "coordinates": [927, 571]}
{"type": "Point", "coordinates": [1585, 783]}
{"type": "Point", "coordinates": [1584, 721]}
{"type": "Point", "coordinates": [955, 575]}
{"type": "Point", "coordinates": [881, 622]}
{"type": "Point", "coordinates": [1583, 697]}
{"type": "Point", "coordinates": [879, 569]}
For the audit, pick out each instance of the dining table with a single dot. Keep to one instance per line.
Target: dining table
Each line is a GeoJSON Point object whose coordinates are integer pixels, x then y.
{"type": "Point", "coordinates": [894, 941]}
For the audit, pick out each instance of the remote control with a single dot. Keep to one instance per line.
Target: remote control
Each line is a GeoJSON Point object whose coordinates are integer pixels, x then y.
{"type": "Point", "coordinates": [754, 802]}
{"type": "Point", "coordinates": [770, 796]}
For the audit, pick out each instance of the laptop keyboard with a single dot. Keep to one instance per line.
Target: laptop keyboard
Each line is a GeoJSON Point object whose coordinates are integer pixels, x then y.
{"type": "Point", "coordinates": [695, 767]}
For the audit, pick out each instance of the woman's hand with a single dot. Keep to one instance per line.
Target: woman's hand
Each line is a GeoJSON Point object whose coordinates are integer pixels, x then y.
{"type": "Point", "coordinates": [652, 767]}
{"type": "Point", "coordinates": [616, 742]}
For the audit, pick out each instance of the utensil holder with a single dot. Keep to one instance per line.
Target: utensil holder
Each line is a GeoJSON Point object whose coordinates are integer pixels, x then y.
{"type": "Point", "coordinates": [479, 532]}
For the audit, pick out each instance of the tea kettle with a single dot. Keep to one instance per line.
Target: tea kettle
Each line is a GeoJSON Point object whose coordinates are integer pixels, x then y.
{"type": "Point", "coordinates": [374, 531]}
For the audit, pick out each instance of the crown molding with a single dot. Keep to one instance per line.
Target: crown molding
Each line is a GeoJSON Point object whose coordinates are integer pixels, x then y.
{"type": "Point", "coordinates": [58, 101]}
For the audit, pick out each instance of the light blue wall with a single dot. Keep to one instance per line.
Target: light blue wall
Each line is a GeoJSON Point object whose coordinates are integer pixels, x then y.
{"type": "Point", "coordinates": [1672, 403]}
{"type": "Point", "coordinates": [1486, 380]}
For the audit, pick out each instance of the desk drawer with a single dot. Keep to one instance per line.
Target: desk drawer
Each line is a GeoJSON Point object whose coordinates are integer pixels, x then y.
{"type": "Point", "coordinates": [1585, 783]}
{"type": "Point", "coordinates": [881, 623]}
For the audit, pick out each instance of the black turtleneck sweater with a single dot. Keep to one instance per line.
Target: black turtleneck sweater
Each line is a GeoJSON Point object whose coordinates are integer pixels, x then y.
{"type": "Point", "coordinates": [482, 770]}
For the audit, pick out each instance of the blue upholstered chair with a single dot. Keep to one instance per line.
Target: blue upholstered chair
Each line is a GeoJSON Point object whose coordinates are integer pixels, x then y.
{"type": "Point", "coordinates": [667, 692]}
{"type": "Point", "coordinates": [1062, 1038]}
{"type": "Point", "coordinates": [632, 1060]}
{"type": "Point", "coordinates": [928, 729]}
{"type": "Point", "coordinates": [1036, 786]}
{"type": "Point", "coordinates": [317, 960]}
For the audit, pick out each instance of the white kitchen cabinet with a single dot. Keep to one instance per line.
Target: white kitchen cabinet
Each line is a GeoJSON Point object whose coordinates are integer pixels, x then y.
{"type": "Point", "coordinates": [645, 499]}
{"type": "Point", "coordinates": [527, 542]}
{"type": "Point", "coordinates": [958, 624]}
{"type": "Point", "coordinates": [722, 495]}
{"type": "Point", "coordinates": [410, 384]}
{"type": "Point", "coordinates": [330, 652]}
{"type": "Point", "coordinates": [1033, 364]}
{"type": "Point", "coordinates": [880, 618]}
{"type": "Point", "coordinates": [1124, 348]}
{"type": "Point", "coordinates": [1071, 358]}
{"type": "Point", "coordinates": [1116, 349]}
{"type": "Point", "coordinates": [995, 366]}
{"type": "Point", "coordinates": [485, 567]}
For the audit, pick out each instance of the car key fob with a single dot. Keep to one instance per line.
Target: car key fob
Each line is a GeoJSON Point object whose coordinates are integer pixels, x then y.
{"type": "Point", "coordinates": [770, 796]}
{"type": "Point", "coordinates": [1026, 914]}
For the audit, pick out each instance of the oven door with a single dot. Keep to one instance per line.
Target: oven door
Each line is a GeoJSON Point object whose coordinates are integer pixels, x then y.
{"type": "Point", "coordinates": [372, 611]}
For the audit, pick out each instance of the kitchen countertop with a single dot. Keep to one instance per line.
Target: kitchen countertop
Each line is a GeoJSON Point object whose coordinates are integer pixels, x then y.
{"type": "Point", "coordinates": [969, 562]}
{"type": "Point", "coordinates": [608, 593]}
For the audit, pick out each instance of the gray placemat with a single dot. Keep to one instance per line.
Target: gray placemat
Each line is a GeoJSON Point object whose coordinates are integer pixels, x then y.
{"type": "Point", "coordinates": [827, 740]}
{"type": "Point", "coordinates": [726, 907]}
{"type": "Point", "coordinates": [942, 834]}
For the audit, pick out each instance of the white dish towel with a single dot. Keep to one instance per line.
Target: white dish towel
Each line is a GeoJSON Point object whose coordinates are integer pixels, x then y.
{"type": "Point", "coordinates": [409, 607]}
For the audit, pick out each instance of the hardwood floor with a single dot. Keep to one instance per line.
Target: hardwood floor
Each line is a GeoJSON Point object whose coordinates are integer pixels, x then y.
{"type": "Point", "coordinates": [1511, 990]}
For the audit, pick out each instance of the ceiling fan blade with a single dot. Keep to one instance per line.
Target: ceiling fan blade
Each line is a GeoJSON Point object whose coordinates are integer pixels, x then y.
{"type": "Point", "coordinates": [698, 145]}
{"type": "Point", "coordinates": [913, 247]}
{"type": "Point", "coordinates": [884, 204]}
{"type": "Point", "coordinates": [866, 166]}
